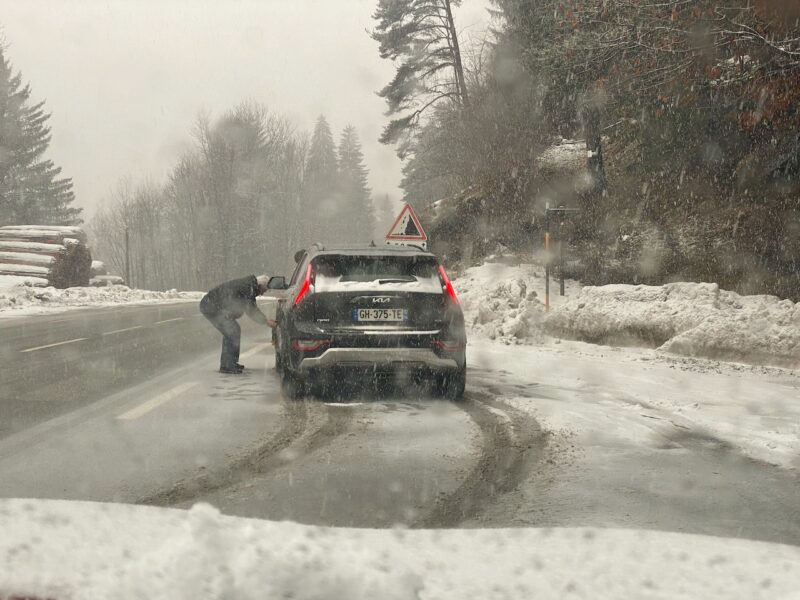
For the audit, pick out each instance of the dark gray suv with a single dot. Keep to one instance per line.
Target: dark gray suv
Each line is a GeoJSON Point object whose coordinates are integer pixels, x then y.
{"type": "Point", "coordinates": [381, 312]}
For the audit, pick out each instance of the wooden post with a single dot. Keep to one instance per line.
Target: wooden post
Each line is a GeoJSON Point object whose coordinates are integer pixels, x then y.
{"type": "Point", "coordinates": [547, 259]}
{"type": "Point", "coordinates": [127, 260]}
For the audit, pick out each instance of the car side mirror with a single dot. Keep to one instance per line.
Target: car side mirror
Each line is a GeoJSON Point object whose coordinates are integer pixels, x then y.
{"type": "Point", "coordinates": [277, 282]}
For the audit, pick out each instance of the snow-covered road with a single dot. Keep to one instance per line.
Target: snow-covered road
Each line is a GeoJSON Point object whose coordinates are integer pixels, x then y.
{"type": "Point", "coordinates": [641, 441]}
{"type": "Point", "coordinates": [562, 434]}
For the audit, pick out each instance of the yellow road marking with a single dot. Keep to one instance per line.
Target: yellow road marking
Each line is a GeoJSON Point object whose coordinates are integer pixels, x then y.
{"type": "Point", "coordinates": [53, 345]}
{"type": "Point", "coordinates": [146, 407]}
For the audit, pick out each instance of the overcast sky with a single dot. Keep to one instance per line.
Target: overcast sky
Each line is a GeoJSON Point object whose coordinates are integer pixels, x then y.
{"type": "Point", "coordinates": [124, 80]}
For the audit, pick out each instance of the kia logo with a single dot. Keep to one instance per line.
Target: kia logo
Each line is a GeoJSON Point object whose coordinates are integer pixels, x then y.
{"type": "Point", "coordinates": [381, 299]}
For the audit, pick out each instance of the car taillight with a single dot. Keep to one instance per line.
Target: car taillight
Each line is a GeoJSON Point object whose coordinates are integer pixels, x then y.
{"type": "Point", "coordinates": [305, 287]}
{"type": "Point", "coordinates": [446, 285]}
{"type": "Point", "coordinates": [309, 345]}
{"type": "Point", "coordinates": [448, 346]}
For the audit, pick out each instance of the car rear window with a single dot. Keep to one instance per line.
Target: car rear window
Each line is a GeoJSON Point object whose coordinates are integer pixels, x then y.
{"type": "Point", "coordinates": [404, 272]}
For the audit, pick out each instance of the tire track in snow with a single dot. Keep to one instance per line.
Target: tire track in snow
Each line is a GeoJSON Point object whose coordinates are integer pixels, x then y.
{"type": "Point", "coordinates": [308, 426]}
{"type": "Point", "coordinates": [508, 437]}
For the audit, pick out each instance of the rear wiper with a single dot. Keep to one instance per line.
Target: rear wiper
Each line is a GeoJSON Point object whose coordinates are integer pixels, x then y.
{"type": "Point", "coordinates": [408, 279]}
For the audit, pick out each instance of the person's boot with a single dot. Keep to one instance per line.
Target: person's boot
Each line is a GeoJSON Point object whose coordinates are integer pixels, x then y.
{"type": "Point", "coordinates": [240, 366]}
{"type": "Point", "coordinates": [234, 370]}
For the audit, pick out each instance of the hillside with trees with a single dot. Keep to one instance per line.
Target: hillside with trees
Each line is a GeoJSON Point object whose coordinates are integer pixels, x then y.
{"type": "Point", "coordinates": [32, 189]}
{"type": "Point", "coordinates": [688, 112]}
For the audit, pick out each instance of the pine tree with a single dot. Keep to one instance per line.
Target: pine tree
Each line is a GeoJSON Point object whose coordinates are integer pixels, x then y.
{"type": "Point", "coordinates": [320, 198]}
{"type": "Point", "coordinates": [31, 189]}
{"type": "Point", "coordinates": [357, 213]}
{"type": "Point", "coordinates": [421, 37]}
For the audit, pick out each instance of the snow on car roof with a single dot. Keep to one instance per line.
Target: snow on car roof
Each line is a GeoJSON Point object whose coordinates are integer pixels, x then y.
{"type": "Point", "coordinates": [377, 250]}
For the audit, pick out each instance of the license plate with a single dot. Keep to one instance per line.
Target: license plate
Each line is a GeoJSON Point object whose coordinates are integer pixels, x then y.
{"type": "Point", "coordinates": [380, 314]}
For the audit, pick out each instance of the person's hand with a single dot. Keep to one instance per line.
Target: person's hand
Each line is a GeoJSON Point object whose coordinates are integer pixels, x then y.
{"type": "Point", "coordinates": [272, 323]}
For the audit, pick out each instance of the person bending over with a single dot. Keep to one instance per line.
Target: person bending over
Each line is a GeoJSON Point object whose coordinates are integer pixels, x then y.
{"type": "Point", "coordinates": [226, 303]}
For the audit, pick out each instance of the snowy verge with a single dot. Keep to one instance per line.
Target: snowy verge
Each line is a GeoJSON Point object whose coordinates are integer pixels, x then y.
{"type": "Point", "coordinates": [503, 299]}
{"type": "Point", "coordinates": [87, 550]}
{"type": "Point", "coordinates": [618, 392]}
{"type": "Point", "coordinates": [11, 281]}
{"type": "Point", "coordinates": [16, 299]}
{"type": "Point", "coordinates": [504, 302]}
{"type": "Point", "coordinates": [691, 319]}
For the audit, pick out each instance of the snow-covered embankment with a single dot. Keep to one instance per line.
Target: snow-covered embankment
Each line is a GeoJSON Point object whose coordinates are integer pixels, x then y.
{"type": "Point", "coordinates": [692, 319]}
{"type": "Point", "coordinates": [86, 550]}
{"type": "Point", "coordinates": [505, 302]}
{"type": "Point", "coordinates": [23, 299]}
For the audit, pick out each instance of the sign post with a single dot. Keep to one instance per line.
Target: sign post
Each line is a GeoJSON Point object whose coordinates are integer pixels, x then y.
{"type": "Point", "coordinates": [560, 211]}
{"type": "Point", "coordinates": [407, 230]}
{"type": "Point", "coordinates": [547, 257]}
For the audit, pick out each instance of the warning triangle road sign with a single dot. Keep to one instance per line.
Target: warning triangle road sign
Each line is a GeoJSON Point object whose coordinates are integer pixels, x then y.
{"type": "Point", "coordinates": [407, 228]}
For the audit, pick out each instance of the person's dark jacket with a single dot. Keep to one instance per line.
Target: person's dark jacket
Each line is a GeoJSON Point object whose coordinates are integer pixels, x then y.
{"type": "Point", "coordinates": [235, 297]}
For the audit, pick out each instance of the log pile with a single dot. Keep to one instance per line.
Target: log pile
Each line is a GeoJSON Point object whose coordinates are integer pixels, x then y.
{"type": "Point", "coordinates": [45, 255]}
{"type": "Point", "coordinates": [101, 278]}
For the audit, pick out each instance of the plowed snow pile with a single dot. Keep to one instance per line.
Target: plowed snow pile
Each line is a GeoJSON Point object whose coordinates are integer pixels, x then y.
{"type": "Point", "coordinates": [691, 319]}
{"type": "Point", "coordinates": [16, 299]}
{"type": "Point", "coordinates": [83, 550]}
{"type": "Point", "coordinates": [503, 299]}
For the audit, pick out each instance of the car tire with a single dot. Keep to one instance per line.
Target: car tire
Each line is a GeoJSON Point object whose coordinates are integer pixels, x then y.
{"type": "Point", "coordinates": [451, 385]}
{"type": "Point", "coordinates": [292, 385]}
{"type": "Point", "coordinates": [320, 385]}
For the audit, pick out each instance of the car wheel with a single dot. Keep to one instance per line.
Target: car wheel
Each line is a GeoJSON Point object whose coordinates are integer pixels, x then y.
{"type": "Point", "coordinates": [451, 385]}
{"type": "Point", "coordinates": [320, 385]}
{"type": "Point", "coordinates": [292, 385]}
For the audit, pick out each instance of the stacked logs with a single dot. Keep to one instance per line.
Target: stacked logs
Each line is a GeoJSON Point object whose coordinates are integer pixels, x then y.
{"type": "Point", "coordinates": [45, 255]}
{"type": "Point", "coordinates": [101, 278]}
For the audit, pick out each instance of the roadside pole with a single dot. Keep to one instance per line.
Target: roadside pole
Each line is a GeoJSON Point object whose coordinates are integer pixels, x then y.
{"type": "Point", "coordinates": [127, 260]}
{"type": "Point", "coordinates": [561, 255]}
{"type": "Point", "coordinates": [561, 211]}
{"type": "Point", "coordinates": [547, 257]}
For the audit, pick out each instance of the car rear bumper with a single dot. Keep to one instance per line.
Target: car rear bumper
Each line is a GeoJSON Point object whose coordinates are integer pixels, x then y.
{"type": "Point", "coordinates": [379, 357]}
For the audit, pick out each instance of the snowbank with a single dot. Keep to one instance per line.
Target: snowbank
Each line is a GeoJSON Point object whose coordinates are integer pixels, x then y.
{"type": "Point", "coordinates": [10, 281]}
{"type": "Point", "coordinates": [692, 319]}
{"type": "Point", "coordinates": [106, 280]}
{"type": "Point", "coordinates": [566, 154]}
{"type": "Point", "coordinates": [86, 550]}
{"type": "Point", "coordinates": [503, 299]}
{"type": "Point", "coordinates": [16, 299]}
{"type": "Point", "coordinates": [505, 302]}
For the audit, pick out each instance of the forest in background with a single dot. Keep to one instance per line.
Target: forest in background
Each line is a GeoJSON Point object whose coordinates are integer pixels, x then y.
{"type": "Point", "coordinates": [249, 193]}
{"type": "Point", "coordinates": [244, 199]}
